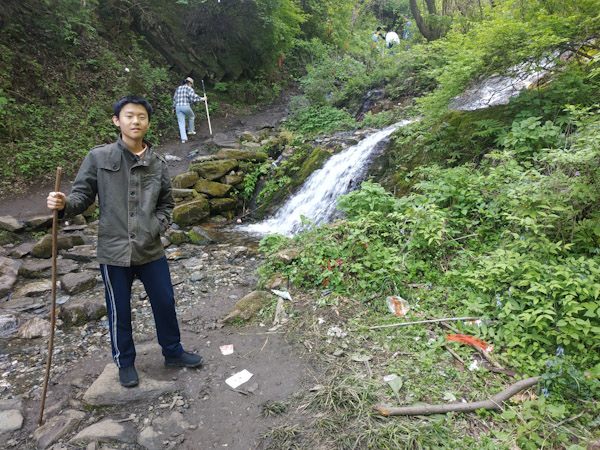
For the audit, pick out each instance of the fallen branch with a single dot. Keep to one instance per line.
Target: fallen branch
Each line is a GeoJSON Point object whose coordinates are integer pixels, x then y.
{"type": "Point", "coordinates": [450, 319]}
{"type": "Point", "coordinates": [492, 404]}
{"type": "Point", "coordinates": [453, 353]}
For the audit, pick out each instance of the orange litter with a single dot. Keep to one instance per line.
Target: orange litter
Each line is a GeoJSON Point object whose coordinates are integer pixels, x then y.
{"type": "Point", "coordinates": [471, 340]}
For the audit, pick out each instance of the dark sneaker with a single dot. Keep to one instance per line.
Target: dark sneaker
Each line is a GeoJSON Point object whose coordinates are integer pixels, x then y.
{"type": "Point", "coordinates": [185, 360]}
{"type": "Point", "coordinates": [128, 376]}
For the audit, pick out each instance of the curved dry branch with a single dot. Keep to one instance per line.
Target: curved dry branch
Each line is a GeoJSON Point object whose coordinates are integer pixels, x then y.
{"type": "Point", "coordinates": [494, 403]}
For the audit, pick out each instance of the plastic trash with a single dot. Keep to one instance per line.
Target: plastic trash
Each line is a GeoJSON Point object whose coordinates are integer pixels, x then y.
{"type": "Point", "coordinates": [471, 340]}
{"type": "Point", "coordinates": [226, 349]}
{"type": "Point", "coordinates": [239, 221]}
{"type": "Point", "coordinates": [398, 306]}
{"type": "Point", "coordinates": [192, 155]}
{"type": "Point", "coordinates": [283, 294]}
{"type": "Point", "coordinates": [238, 379]}
{"type": "Point", "coordinates": [172, 158]}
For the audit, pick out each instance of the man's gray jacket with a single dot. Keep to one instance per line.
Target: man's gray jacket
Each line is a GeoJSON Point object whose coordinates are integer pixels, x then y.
{"type": "Point", "coordinates": [134, 198]}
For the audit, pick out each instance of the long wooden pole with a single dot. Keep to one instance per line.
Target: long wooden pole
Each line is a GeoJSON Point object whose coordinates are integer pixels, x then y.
{"type": "Point", "coordinates": [53, 305]}
{"type": "Point", "coordinates": [206, 104]}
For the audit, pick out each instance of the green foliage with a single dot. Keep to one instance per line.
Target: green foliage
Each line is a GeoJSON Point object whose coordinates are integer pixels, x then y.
{"type": "Point", "coordinates": [511, 240]}
{"type": "Point", "coordinates": [320, 119]}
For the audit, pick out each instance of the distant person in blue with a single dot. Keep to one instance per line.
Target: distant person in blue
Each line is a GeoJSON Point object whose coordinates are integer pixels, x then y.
{"type": "Point", "coordinates": [377, 37]}
{"type": "Point", "coordinates": [183, 99]}
{"type": "Point", "coordinates": [406, 34]}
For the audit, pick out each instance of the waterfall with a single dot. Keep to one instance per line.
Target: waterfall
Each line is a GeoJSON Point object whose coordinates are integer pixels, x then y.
{"type": "Point", "coordinates": [317, 198]}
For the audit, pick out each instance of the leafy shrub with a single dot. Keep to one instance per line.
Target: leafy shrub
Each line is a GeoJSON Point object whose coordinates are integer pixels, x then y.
{"type": "Point", "coordinates": [320, 119]}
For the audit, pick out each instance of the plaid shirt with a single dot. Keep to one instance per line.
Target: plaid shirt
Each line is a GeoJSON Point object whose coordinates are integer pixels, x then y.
{"type": "Point", "coordinates": [185, 95]}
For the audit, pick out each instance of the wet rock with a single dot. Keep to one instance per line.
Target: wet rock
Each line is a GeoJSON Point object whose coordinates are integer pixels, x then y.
{"type": "Point", "coordinates": [287, 255]}
{"type": "Point", "coordinates": [243, 155]}
{"type": "Point", "coordinates": [43, 249]}
{"type": "Point", "coordinates": [213, 170]}
{"type": "Point", "coordinates": [106, 430]}
{"type": "Point", "coordinates": [21, 304]}
{"type": "Point", "coordinates": [82, 253]}
{"type": "Point", "coordinates": [212, 188]}
{"type": "Point", "coordinates": [249, 306]}
{"type": "Point", "coordinates": [57, 427]}
{"type": "Point", "coordinates": [80, 311]}
{"type": "Point", "coordinates": [191, 212]}
{"type": "Point", "coordinates": [39, 222]}
{"type": "Point", "coordinates": [9, 270]}
{"type": "Point", "coordinates": [10, 420]}
{"type": "Point", "coordinates": [21, 250]}
{"type": "Point", "coordinates": [75, 283]}
{"type": "Point", "coordinates": [9, 223]}
{"type": "Point", "coordinates": [221, 205]}
{"type": "Point", "coordinates": [177, 237]}
{"type": "Point", "coordinates": [34, 289]}
{"type": "Point", "coordinates": [42, 268]}
{"type": "Point", "coordinates": [106, 390]}
{"type": "Point", "coordinates": [34, 328]}
{"type": "Point", "coordinates": [185, 180]}
{"type": "Point", "coordinates": [202, 236]}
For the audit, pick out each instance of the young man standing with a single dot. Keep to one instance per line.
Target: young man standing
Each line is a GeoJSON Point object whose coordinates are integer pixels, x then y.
{"type": "Point", "coordinates": [183, 99]}
{"type": "Point", "coordinates": [135, 201]}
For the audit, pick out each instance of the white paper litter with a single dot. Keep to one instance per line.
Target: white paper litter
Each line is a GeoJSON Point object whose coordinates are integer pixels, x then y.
{"type": "Point", "coordinates": [226, 349]}
{"type": "Point", "coordinates": [236, 380]}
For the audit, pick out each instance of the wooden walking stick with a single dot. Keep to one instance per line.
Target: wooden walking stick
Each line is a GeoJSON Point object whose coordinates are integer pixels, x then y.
{"type": "Point", "coordinates": [53, 305]}
{"type": "Point", "coordinates": [206, 104]}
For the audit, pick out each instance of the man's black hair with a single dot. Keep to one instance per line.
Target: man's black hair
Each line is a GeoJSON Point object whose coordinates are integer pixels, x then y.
{"type": "Point", "coordinates": [378, 28]}
{"type": "Point", "coordinates": [135, 99]}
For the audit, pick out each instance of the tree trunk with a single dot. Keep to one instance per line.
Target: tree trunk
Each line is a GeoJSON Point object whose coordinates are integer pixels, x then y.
{"type": "Point", "coordinates": [430, 33]}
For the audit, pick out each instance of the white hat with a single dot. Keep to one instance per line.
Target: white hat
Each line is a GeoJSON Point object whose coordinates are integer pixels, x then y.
{"type": "Point", "coordinates": [190, 80]}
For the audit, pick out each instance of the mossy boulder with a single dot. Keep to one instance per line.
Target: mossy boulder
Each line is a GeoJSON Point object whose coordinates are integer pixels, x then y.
{"type": "Point", "coordinates": [185, 180]}
{"type": "Point", "coordinates": [312, 163]}
{"type": "Point", "coordinates": [212, 188]}
{"type": "Point", "coordinates": [221, 205]}
{"type": "Point", "coordinates": [81, 311]}
{"type": "Point", "coordinates": [191, 212]}
{"type": "Point", "coordinates": [43, 248]}
{"type": "Point", "coordinates": [177, 237]}
{"type": "Point", "coordinates": [242, 155]}
{"type": "Point", "coordinates": [234, 179]}
{"type": "Point", "coordinates": [202, 236]}
{"type": "Point", "coordinates": [249, 306]}
{"type": "Point", "coordinates": [213, 170]}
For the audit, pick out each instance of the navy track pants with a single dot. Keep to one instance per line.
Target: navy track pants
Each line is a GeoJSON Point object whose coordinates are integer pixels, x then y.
{"type": "Point", "coordinates": [156, 278]}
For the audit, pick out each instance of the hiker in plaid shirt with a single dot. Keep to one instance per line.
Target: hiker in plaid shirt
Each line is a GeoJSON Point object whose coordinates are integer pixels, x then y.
{"type": "Point", "coordinates": [183, 98]}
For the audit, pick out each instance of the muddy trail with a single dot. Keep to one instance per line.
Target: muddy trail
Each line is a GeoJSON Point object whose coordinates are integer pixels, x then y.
{"type": "Point", "coordinates": [226, 130]}
{"type": "Point", "coordinates": [171, 408]}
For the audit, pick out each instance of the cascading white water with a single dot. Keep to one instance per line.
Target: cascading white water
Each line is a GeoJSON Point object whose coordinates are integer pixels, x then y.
{"type": "Point", "coordinates": [317, 198]}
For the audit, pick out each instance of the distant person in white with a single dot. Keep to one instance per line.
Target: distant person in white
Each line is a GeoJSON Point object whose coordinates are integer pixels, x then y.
{"type": "Point", "coordinates": [391, 39]}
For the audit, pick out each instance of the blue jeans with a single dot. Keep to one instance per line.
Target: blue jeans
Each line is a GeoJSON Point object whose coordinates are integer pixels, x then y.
{"type": "Point", "coordinates": [182, 113]}
{"type": "Point", "coordinates": [156, 278]}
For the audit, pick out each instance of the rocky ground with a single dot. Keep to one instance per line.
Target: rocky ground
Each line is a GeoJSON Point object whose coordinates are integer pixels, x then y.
{"type": "Point", "coordinates": [171, 408]}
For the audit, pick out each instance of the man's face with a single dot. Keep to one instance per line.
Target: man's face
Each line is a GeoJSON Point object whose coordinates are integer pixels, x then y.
{"type": "Point", "coordinates": [133, 121]}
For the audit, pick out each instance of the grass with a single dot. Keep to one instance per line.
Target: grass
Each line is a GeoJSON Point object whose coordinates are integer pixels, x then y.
{"type": "Point", "coordinates": [338, 412]}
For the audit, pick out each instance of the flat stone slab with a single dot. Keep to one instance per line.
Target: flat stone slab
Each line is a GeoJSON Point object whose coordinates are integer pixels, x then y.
{"type": "Point", "coordinates": [107, 430]}
{"type": "Point", "coordinates": [106, 390]}
{"type": "Point", "coordinates": [10, 420]}
{"type": "Point", "coordinates": [57, 427]}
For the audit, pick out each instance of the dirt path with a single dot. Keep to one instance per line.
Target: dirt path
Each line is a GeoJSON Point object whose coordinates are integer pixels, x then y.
{"type": "Point", "coordinates": [198, 410]}
{"type": "Point", "coordinates": [226, 130]}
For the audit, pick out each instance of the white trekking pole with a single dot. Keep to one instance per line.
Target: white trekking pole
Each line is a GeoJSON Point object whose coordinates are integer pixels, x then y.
{"type": "Point", "coordinates": [206, 104]}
